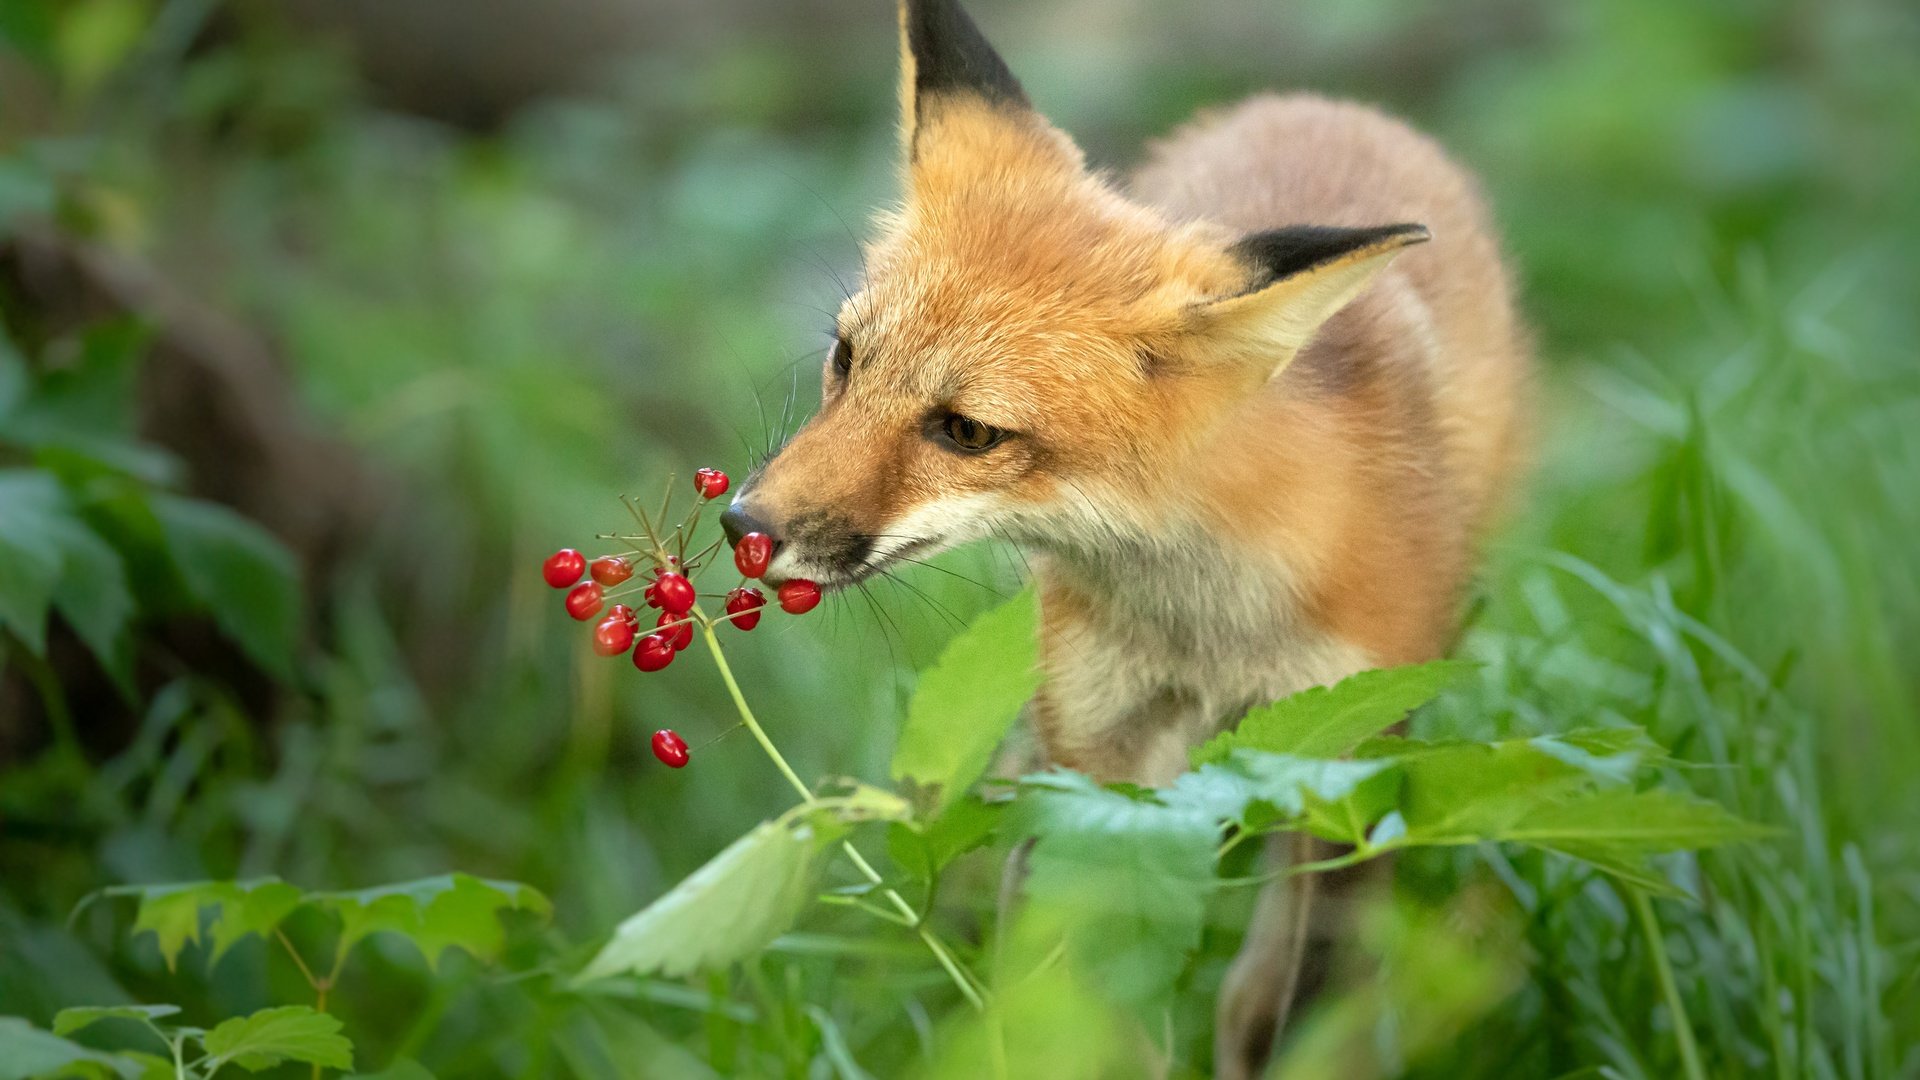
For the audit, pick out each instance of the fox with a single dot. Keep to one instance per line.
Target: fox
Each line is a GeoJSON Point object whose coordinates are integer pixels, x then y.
{"type": "Point", "coordinates": [1247, 411]}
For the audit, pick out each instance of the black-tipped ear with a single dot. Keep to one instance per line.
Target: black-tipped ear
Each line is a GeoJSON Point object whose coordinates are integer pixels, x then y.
{"type": "Point", "coordinates": [943, 52]}
{"type": "Point", "coordinates": [1302, 276]}
{"type": "Point", "coordinates": [1282, 253]}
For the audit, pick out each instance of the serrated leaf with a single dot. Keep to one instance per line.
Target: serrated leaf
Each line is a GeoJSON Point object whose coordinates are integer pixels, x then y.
{"type": "Point", "coordinates": [1629, 867]}
{"type": "Point", "coordinates": [1612, 755]}
{"type": "Point", "coordinates": [172, 912]}
{"type": "Point", "coordinates": [68, 1021]}
{"type": "Point", "coordinates": [87, 403]}
{"type": "Point", "coordinates": [95, 600]}
{"type": "Point", "coordinates": [452, 911]}
{"type": "Point", "coordinates": [964, 704]}
{"type": "Point", "coordinates": [33, 517]}
{"type": "Point", "coordinates": [272, 1036]}
{"type": "Point", "coordinates": [242, 576]}
{"type": "Point", "coordinates": [925, 850]}
{"type": "Point", "coordinates": [1329, 721]}
{"type": "Point", "coordinates": [1256, 788]}
{"type": "Point", "coordinates": [964, 825]}
{"type": "Point", "coordinates": [49, 557]}
{"type": "Point", "coordinates": [1618, 820]}
{"type": "Point", "coordinates": [26, 1051]}
{"type": "Point", "coordinates": [1133, 871]}
{"type": "Point", "coordinates": [729, 909]}
{"type": "Point", "coordinates": [1459, 792]}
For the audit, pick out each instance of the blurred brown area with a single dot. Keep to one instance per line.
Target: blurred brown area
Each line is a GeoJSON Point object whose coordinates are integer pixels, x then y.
{"type": "Point", "coordinates": [474, 64]}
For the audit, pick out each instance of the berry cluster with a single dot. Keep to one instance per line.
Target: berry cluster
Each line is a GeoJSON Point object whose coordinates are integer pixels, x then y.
{"type": "Point", "coordinates": [669, 589]}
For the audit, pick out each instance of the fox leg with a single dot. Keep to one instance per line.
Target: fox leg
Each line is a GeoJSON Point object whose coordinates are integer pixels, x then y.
{"type": "Point", "coordinates": [1260, 987]}
{"type": "Point", "coordinates": [1292, 951]}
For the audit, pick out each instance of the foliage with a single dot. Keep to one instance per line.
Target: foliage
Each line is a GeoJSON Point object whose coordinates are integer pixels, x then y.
{"type": "Point", "coordinates": [1702, 614]}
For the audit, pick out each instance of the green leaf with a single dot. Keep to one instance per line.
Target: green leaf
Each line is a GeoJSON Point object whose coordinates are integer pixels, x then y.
{"type": "Point", "coordinates": [94, 36]}
{"type": "Point", "coordinates": [243, 577]}
{"type": "Point", "coordinates": [1433, 977]}
{"type": "Point", "coordinates": [967, 700]}
{"type": "Point", "coordinates": [727, 910]}
{"type": "Point", "coordinates": [1329, 721]}
{"type": "Point", "coordinates": [86, 404]}
{"type": "Point", "coordinates": [26, 1051]}
{"type": "Point", "coordinates": [172, 912]}
{"type": "Point", "coordinates": [403, 1069]}
{"type": "Point", "coordinates": [150, 1066]}
{"type": "Point", "coordinates": [49, 557]}
{"type": "Point", "coordinates": [68, 1021]}
{"type": "Point", "coordinates": [33, 520]}
{"type": "Point", "coordinates": [1133, 871]}
{"type": "Point", "coordinates": [1257, 789]}
{"type": "Point", "coordinates": [1459, 792]}
{"type": "Point", "coordinates": [923, 851]}
{"type": "Point", "coordinates": [272, 1036]}
{"type": "Point", "coordinates": [452, 911]}
{"type": "Point", "coordinates": [94, 598]}
{"type": "Point", "coordinates": [1048, 1022]}
{"type": "Point", "coordinates": [1614, 821]}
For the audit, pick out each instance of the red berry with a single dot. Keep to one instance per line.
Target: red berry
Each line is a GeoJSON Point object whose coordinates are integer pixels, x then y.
{"type": "Point", "coordinates": [623, 613]}
{"type": "Point", "coordinates": [564, 567]}
{"type": "Point", "coordinates": [670, 748]}
{"type": "Point", "coordinates": [681, 635]}
{"type": "Point", "coordinates": [799, 596]}
{"type": "Point", "coordinates": [611, 570]}
{"type": "Point", "coordinates": [613, 635]}
{"type": "Point", "coordinates": [651, 595]}
{"type": "Point", "coordinates": [584, 601]}
{"type": "Point", "coordinates": [743, 607]}
{"type": "Point", "coordinates": [753, 553]}
{"type": "Point", "coordinates": [710, 483]}
{"type": "Point", "coordinates": [674, 592]}
{"type": "Point", "coordinates": [653, 653]}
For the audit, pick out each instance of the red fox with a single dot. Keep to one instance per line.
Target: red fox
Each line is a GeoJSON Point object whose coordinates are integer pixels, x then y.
{"type": "Point", "coordinates": [1247, 412]}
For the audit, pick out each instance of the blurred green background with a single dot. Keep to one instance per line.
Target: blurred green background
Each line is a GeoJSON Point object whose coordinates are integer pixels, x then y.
{"type": "Point", "coordinates": [418, 287]}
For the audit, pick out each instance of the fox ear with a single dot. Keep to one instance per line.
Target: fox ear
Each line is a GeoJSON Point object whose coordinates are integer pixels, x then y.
{"type": "Point", "coordinates": [1303, 274]}
{"type": "Point", "coordinates": [944, 56]}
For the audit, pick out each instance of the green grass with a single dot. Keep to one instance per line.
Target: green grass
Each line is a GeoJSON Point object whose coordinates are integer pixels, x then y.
{"type": "Point", "coordinates": [1710, 209]}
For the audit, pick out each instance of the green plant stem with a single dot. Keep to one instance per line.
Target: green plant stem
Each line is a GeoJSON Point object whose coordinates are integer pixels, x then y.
{"type": "Point", "coordinates": [1663, 970]}
{"type": "Point", "coordinates": [969, 988]}
{"type": "Point", "coordinates": [747, 718]}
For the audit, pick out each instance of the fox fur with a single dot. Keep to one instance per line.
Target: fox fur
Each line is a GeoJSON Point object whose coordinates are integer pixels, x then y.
{"type": "Point", "coordinates": [1247, 418]}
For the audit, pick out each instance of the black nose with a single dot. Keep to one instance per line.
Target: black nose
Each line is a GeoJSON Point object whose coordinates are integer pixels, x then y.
{"type": "Point", "coordinates": [737, 522]}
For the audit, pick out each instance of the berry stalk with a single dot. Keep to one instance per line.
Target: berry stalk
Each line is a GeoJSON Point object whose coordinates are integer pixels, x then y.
{"type": "Point", "coordinates": [969, 987]}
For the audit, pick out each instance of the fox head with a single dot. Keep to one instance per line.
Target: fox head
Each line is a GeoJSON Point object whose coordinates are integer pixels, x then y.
{"type": "Point", "coordinates": [1030, 352]}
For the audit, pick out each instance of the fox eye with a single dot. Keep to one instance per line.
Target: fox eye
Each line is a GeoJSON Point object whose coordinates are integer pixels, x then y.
{"type": "Point", "coordinates": [842, 357]}
{"type": "Point", "coordinates": [970, 434]}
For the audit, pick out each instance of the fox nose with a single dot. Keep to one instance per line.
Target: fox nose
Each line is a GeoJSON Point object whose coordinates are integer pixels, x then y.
{"type": "Point", "coordinates": [738, 522]}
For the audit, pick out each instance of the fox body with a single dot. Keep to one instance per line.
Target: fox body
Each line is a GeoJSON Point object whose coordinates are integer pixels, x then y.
{"type": "Point", "coordinates": [1244, 416]}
